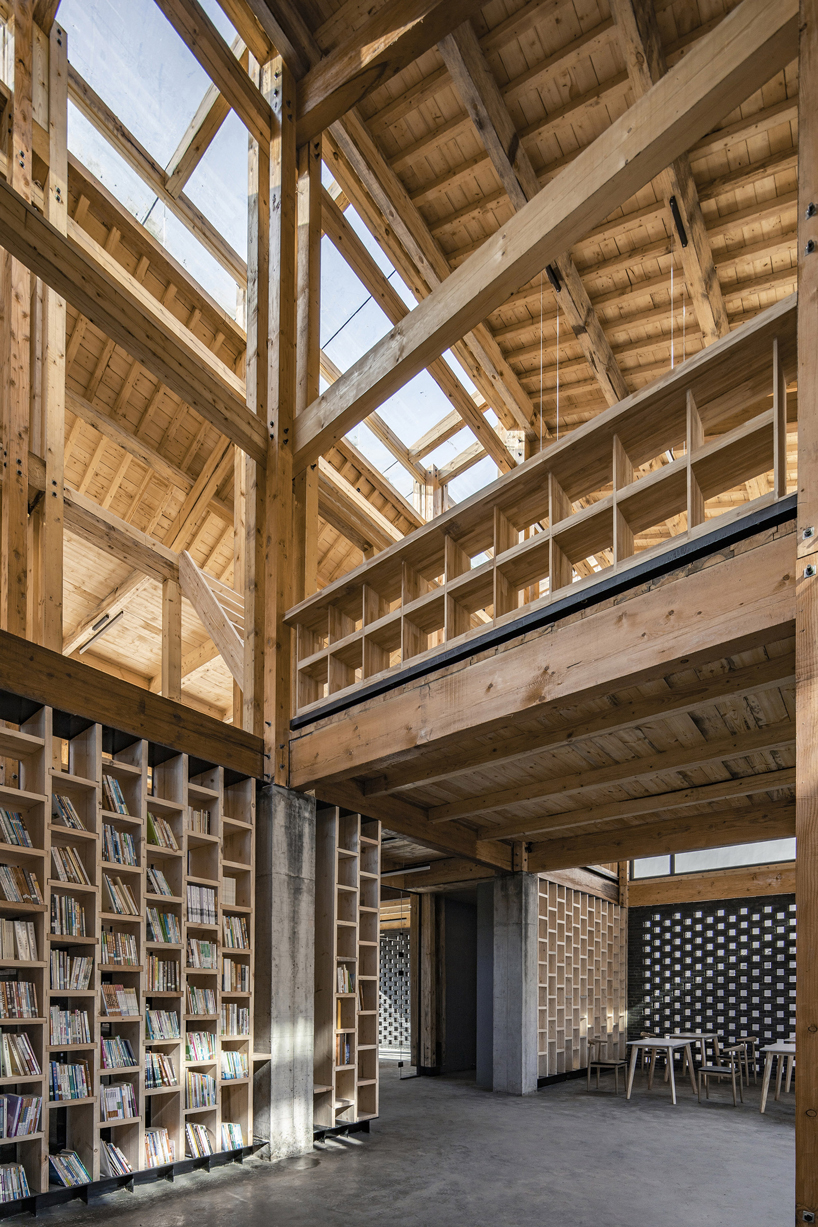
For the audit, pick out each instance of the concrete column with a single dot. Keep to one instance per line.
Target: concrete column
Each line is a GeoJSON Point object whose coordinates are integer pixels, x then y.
{"type": "Point", "coordinates": [285, 955]}
{"type": "Point", "coordinates": [485, 984]}
{"type": "Point", "coordinates": [516, 907]}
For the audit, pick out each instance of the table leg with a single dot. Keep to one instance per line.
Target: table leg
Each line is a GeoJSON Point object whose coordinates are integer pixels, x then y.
{"type": "Point", "coordinates": [690, 1067]}
{"type": "Point", "coordinates": [632, 1070]}
{"type": "Point", "coordinates": [654, 1053]}
{"type": "Point", "coordinates": [789, 1073]}
{"type": "Point", "coordinates": [672, 1076]}
{"type": "Point", "coordinates": [765, 1084]}
{"type": "Point", "coordinates": [778, 1074]}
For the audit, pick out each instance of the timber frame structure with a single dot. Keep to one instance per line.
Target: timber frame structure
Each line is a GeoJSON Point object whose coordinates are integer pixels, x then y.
{"type": "Point", "coordinates": [607, 214]}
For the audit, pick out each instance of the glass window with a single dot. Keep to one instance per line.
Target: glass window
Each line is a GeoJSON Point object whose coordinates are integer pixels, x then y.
{"type": "Point", "coordinates": [770, 850]}
{"type": "Point", "coordinates": [651, 867]}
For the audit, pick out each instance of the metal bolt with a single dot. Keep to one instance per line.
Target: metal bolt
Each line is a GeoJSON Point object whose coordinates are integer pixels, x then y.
{"type": "Point", "coordinates": [808, 532]}
{"type": "Point", "coordinates": [807, 1216]}
{"type": "Point", "coordinates": [809, 571]}
{"type": "Point", "coordinates": [812, 209]}
{"type": "Point", "coordinates": [810, 247]}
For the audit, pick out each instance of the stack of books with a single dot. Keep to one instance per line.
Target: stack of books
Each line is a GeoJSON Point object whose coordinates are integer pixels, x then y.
{"type": "Point", "coordinates": [235, 933]}
{"type": "Point", "coordinates": [117, 999]}
{"type": "Point", "coordinates": [120, 897]}
{"type": "Point", "coordinates": [346, 978]}
{"type": "Point", "coordinates": [112, 798]}
{"type": "Point", "coordinates": [228, 892]}
{"type": "Point", "coordinates": [235, 1020]}
{"type": "Point", "coordinates": [13, 830]}
{"type": "Point", "coordinates": [232, 1136]}
{"type": "Point", "coordinates": [199, 820]}
{"type": "Point", "coordinates": [235, 976]}
{"type": "Point", "coordinates": [68, 867]}
{"type": "Point", "coordinates": [13, 1182]}
{"type": "Point", "coordinates": [117, 1053]}
{"type": "Point", "coordinates": [159, 1148]}
{"type": "Point", "coordinates": [117, 1101]}
{"type": "Point", "coordinates": [158, 883]}
{"type": "Point", "coordinates": [201, 905]}
{"type": "Point", "coordinates": [234, 1065]}
{"type": "Point", "coordinates": [200, 1090]}
{"type": "Point", "coordinates": [69, 1026]}
{"type": "Point", "coordinates": [70, 974]}
{"type": "Point", "coordinates": [161, 1025]}
{"type": "Point", "coordinates": [200, 1000]}
{"type": "Point", "coordinates": [118, 847]}
{"type": "Point", "coordinates": [112, 1161]}
{"type": "Point", "coordinates": [66, 813]}
{"type": "Point", "coordinates": [160, 833]}
{"type": "Point", "coordinates": [200, 1046]}
{"type": "Point", "coordinates": [119, 948]}
{"type": "Point", "coordinates": [18, 999]}
{"type": "Point", "coordinates": [70, 1081]}
{"type": "Point", "coordinates": [18, 941]}
{"type": "Point", "coordinates": [69, 1169]}
{"type": "Point", "coordinates": [18, 885]}
{"type": "Point", "coordinates": [343, 1052]}
{"type": "Point", "coordinates": [17, 1059]}
{"type": "Point", "coordinates": [20, 1115]}
{"type": "Point", "coordinates": [198, 1140]}
{"type": "Point", "coordinates": [201, 954]}
{"type": "Point", "coordinates": [163, 927]}
{"type": "Point", "coordinates": [163, 977]}
{"type": "Point", "coordinates": [67, 916]}
{"type": "Point", "coordinates": [159, 1070]}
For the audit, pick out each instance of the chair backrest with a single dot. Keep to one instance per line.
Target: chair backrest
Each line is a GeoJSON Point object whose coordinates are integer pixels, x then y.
{"type": "Point", "coordinates": [598, 1048]}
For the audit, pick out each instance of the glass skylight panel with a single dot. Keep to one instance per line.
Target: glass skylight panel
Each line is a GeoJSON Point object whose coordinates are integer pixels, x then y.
{"type": "Point", "coordinates": [767, 852]}
{"type": "Point", "coordinates": [218, 185]}
{"type": "Point", "coordinates": [651, 867]}
{"type": "Point", "coordinates": [476, 478]}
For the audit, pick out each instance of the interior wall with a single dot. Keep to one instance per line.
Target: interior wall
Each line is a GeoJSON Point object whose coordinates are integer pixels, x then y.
{"type": "Point", "coordinates": [460, 1029]}
{"type": "Point", "coordinates": [582, 976]}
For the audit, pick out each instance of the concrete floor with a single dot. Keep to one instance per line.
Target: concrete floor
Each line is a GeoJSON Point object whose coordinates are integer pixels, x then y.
{"type": "Point", "coordinates": [445, 1154]}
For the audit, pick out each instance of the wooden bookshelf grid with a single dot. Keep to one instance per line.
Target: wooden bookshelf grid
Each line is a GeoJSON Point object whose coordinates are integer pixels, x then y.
{"type": "Point", "coordinates": [123, 794]}
{"type": "Point", "coordinates": [583, 987]}
{"type": "Point", "coordinates": [347, 936]}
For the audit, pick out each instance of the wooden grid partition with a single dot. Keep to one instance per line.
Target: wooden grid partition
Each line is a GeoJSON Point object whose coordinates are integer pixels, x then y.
{"type": "Point", "coordinates": [50, 756]}
{"type": "Point", "coordinates": [347, 936]}
{"type": "Point", "coordinates": [583, 980]}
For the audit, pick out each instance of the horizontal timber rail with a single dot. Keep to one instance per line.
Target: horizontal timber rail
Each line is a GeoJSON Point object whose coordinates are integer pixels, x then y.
{"type": "Point", "coordinates": [662, 463]}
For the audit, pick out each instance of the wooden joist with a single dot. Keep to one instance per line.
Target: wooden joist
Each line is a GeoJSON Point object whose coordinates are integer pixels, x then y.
{"type": "Point", "coordinates": [743, 883]}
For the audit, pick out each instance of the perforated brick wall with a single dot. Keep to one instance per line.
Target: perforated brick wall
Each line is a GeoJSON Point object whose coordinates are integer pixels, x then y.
{"type": "Point", "coordinates": [394, 1028]}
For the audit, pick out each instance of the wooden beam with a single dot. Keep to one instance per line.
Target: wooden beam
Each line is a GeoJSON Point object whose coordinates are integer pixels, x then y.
{"type": "Point", "coordinates": [642, 48]}
{"type": "Point", "coordinates": [392, 38]}
{"type": "Point", "coordinates": [717, 829]}
{"type": "Point", "coordinates": [128, 589]}
{"type": "Point", "coordinates": [111, 535]}
{"type": "Point", "coordinates": [350, 513]}
{"type": "Point", "coordinates": [171, 674]}
{"type": "Point", "coordinates": [743, 883]}
{"type": "Point", "coordinates": [126, 313]}
{"type": "Point", "coordinates": [307, 359]}
{"type": "Point", "coordinates": [203, 40]}
{"type": "Point", "coordinates": [718, 73]}
{"type": "Point", "coordinates": [45, 13]}
{"type": "Point", "coordinates": [693, 617]}
{"type": "Point", "coordinates": [587, 881]}
{"type": "Point", "coordinates": [129, 442]}
{"type": "Point", "coordinates": [202, 130]}
{"type": "Point", "coordinates": [454, 870]}
{"type": "Point", "coordinates": [485, 104]}
{"type": "Point", "coordinates": [195, 587]}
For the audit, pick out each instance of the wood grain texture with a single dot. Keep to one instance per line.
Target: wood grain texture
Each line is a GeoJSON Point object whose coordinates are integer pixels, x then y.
{"type": "Point", "coordinates": [741, 883]}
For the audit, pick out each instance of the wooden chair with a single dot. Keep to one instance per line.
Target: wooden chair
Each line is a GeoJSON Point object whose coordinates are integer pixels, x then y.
{"type": "Point", "coordinates": [718, 1072]}
{"type": "Point", "coordinates": [750, 1055]}
{"type": "Point", "coordinates": [602, 1062]}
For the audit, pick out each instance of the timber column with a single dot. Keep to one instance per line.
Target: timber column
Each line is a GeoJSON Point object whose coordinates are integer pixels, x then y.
{"type": "Point", "coordinates": [515, 988]}
{"type": "Point", "coordinates": [285, 957]}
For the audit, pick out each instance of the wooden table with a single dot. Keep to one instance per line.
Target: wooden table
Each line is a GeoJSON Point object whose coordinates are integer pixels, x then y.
{"type": "Point", "coordinates": [700, 1038]}
{"type": "Point", "coordinates": [668, 1046]}
{"type": "Point", "coordinates": [785, 1048]}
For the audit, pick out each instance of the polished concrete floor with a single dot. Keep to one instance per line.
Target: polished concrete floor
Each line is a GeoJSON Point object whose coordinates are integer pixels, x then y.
{"type": "Point", "coordinates": [445, 1154]}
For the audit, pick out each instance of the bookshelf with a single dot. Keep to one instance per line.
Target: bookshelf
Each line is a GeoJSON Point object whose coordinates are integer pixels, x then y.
{"type": "Point", "coordinates": [143, 859]}
{"type": "Point", "coordinates": [347, 897]}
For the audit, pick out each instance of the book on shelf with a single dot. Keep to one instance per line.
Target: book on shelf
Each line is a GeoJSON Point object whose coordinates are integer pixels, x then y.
{"type": "Point", "coordinates": [198, 820]}
{"type": "Point", "coordinates": [68, 1026]}
{"type": "Point", "coordinates": [120, 897]}
{"type": "Point", "coordinates": [112, 798]}
{"type": "Point", "coordinates": [234, 1064]}
{"type": "Point", "coordinates": [235, 976]}
{"type": "Point", "coordinates": [66, 813]}
{"type": "Point", "coordinates": [19, 885]}
{"type": "Point", "coordinates": [67, 916]}
{"type": "Point", "coordinates": [343, 1050]}
{"type": "Point", "coordinates": [69, 973]}
{"type": "Point", "coordinates": [68, 867]}
{"type": "Point", "coordinates": [346, 978]}
{"type": "Point", "coordinates": [235, 933]}
{"type": "Point", "coordinates": [200, 1090]}
{"type": "Point", "coordinates": [157, 882]}
{"type": "Point", "coordinates": [161, 1025]}
{"type": "Point", "coordinates": [199, 1141]}
{"type": "Point", "coordinates": [17, 1057]}
{"type": "Point", "coordinates": [118, 847]}
{"type": "Point", "coordinates": [18, 999]}
{"type": "Point", "coordinates": [235, 1020]}
{"type": "Point", "coordinates": [69, 1169]}
{"type": "Point", "coordinates": [160, 1148]}
{"type": "Point", "coordinates": [163, 977]}
{"type": "Point", "coordinates": [159, 1070]}
{"type": "Point", "coordinates": [201, 904]}
{"type": "Point", "coordinates": [20, 1115]}
{"type": "Point", "coordinates": [200, 1046]}
{"type": "Point", "coordinates": [70, 1081]}
{"type": "Point", "coordinates": [200, 1000]}
{"type": "Point", "coordinates": [13, 1182]}
{"type": "Point", "coordinates": [116, 1052]}
{"type": "Point", "coordinates": [112, 1161]}
{"type": "Point", "coordinates": [161, 833]}
{"type": "Point", "coordinates": [117, 1101]}
{"type": "Point", "coordinates": [232, 1136]}
{"type": "Point", "coordinates": [201, 954]}
{"type": "Point", "coordinates": [162, 926]}
{"type": "Point", "coordinates": [117, 999]}
{"type": "Point", "coordinates": [13, 829]}
{"type": "Point", "coordinates": [18, 940]}
{"type": "Point", "coordinates": [119, 948]}
{"type": "Point", "coordinates": [228, 891]}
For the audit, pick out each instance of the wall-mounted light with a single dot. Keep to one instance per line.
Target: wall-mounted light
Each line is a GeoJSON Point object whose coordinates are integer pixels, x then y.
{"type": "Point", "coordinates": [100, 628]}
